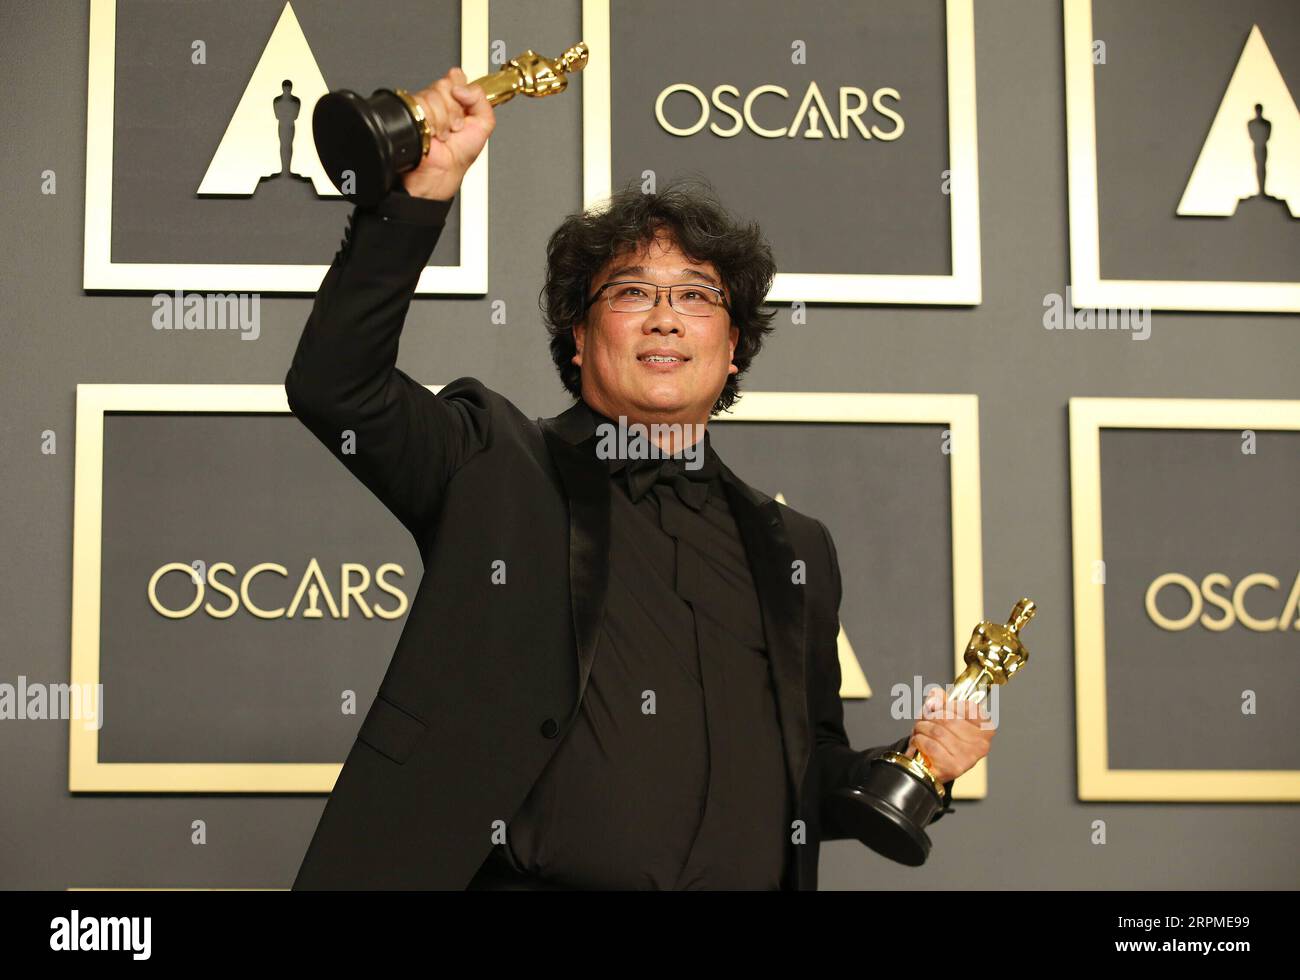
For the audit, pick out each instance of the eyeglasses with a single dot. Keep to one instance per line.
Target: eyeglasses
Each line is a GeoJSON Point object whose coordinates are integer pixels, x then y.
{"type": "Point", "coordinates": [692, 299]}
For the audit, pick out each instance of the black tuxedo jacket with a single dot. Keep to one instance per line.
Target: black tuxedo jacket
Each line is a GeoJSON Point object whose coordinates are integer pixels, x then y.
{"type": "Point", "coordinates": [487, 678]}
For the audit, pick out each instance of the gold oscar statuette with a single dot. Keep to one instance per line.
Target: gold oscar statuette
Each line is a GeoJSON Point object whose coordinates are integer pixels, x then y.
{"type": "Point", "coordinates": [899, 795]}
{"type": "Point", "coordinates": [365, 144]}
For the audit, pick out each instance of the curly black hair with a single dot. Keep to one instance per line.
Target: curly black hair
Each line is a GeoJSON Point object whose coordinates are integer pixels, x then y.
{"type": "Point", "coordinates": [703, 229]}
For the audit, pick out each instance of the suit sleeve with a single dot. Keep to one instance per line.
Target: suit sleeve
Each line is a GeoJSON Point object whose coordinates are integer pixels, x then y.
{"type": "Point", "coordinates": [399, 439]}
{"type": "Point", "coordinates": [839, 765]}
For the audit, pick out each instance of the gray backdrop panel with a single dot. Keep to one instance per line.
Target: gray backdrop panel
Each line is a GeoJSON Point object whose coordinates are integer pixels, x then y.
{"type": "Point", "coordinates": [242, 489]}
{"type": "Point", "coordinates": [1168, 65]}
{"type": "Point", "coordinates": [1193, 502]}
{"type": "Point", "coordinates": [170, 115]}
{"type": "Point", "coordinates": [880, 208]}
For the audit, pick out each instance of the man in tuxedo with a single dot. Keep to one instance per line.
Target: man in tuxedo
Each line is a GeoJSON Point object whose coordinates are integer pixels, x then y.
{"type": "Point", "coordinates": [613, 674]}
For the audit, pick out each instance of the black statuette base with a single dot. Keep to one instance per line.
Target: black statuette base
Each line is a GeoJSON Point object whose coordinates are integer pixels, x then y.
{"type": "Point", "coordinates": [888, 812]}
{"type": "Point", "coordinates": [375, 139]}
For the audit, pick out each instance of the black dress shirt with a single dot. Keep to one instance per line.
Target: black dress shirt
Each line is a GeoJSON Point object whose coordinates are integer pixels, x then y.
{"type": "Point", "coordinates": [672, 776]}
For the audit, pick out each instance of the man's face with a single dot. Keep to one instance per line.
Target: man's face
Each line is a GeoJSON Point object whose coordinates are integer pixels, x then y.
{"type": "Point", "coordinates": [612, 347]}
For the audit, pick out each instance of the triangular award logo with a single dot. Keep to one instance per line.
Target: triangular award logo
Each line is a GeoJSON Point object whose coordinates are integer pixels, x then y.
{"type": "Point", "coordinates": [1253, 150]}
{"type": "Point", "coordinates": [270, 134]}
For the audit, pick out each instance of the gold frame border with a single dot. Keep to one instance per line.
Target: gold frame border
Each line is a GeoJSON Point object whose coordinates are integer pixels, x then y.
{"type": "Point", "coordinates": [87, 774]}
{"type": "Point", "coordinates": [1088, 288]}
{"type": "Point", "coordinates": [1097, 781]}
{"type": "Point", "coordinates": [100, 272]}
{"type": "Point", "coordinates": [962, 288]}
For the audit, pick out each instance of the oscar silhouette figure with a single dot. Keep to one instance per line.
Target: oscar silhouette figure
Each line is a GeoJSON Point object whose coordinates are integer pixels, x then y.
{"type": "Point", "coordinates": [1261, 205]}
{"type": "Point", "coordinates": [286, 106]}
{"type": "Point", "coordinates": [1259, 129]}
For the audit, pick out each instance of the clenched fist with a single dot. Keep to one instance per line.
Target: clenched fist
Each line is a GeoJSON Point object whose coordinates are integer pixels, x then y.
{"type": "Point", "coordinates": [954, 735]}
{"type": "Point", "coordinates": [461, 120]}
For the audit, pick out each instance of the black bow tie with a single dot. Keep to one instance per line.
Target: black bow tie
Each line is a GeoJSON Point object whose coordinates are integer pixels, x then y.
{"type": "Point", "coordinates": [691, 485]}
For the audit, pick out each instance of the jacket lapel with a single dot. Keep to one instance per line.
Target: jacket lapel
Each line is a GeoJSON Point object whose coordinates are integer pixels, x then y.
{"type": "Point", "coordinates": [771, 562]}
{"type": "Point", "coordinates": [586, 483]}
{"type": "Point", "coordinates": [762, 529]}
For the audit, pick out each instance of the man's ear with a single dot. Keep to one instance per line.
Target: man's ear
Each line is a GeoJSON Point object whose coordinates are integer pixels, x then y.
{"type": "Point", "coordinates": [579, 340]}
{"type": "Point", "coordinates": [734, 339]}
